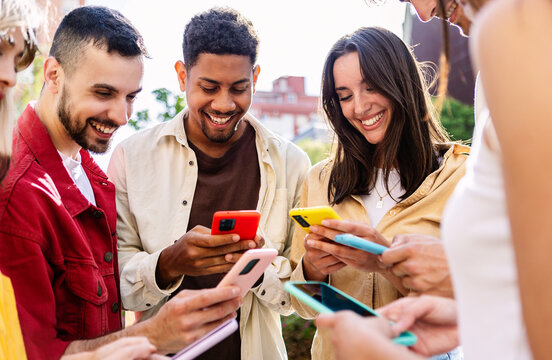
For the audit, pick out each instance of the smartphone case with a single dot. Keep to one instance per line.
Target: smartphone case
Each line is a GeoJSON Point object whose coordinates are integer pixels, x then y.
{"type": "Point", "coordinates": [207, 341]}
{"type": "Point", "coordinates": [248, 269]}
{"type": "Point", "coordinates": [306, 217]}
{"type": "Point", "coordinates": [406, 338]}
{"type": "Point", "coordinates": [241, 222]}
{"type": "Point", "coordinates": [360, 243]}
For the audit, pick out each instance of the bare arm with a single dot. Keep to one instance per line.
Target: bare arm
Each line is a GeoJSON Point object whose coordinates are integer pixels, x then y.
{"type": "Point", "coordinates": [514, 56]}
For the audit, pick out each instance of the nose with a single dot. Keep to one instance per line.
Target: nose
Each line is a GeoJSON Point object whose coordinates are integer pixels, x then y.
{"type": "Point", "coordinates": [120, 112]}
{"type": "Point", "coordinates": [223, 102]}
{"type": "Point", "coordinates": [8, 75]}
{"type": "Point", "coordinates": [426, 9]}
{"type": "Point", "coordinates": [361, 105]}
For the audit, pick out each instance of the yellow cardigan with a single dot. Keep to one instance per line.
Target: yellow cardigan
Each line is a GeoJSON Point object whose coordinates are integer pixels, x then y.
{"type": "Point", "coordinates": [11, 341]}
{"type": "Point", "coordinates": [420, 213]}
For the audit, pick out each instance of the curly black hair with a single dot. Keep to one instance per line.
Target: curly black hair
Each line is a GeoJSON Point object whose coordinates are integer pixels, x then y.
{"type": "Point", "coordinates": [221, 31]}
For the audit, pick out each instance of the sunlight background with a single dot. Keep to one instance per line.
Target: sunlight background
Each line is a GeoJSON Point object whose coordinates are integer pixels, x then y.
{"type": "Point", "coordinates": [295, 37]}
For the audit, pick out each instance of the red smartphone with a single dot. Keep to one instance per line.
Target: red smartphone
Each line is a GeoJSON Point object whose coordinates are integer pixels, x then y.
{"type": "Point", "coordinates": [248, 269]}
{"type": "Point", "coordinates": [241, 222]}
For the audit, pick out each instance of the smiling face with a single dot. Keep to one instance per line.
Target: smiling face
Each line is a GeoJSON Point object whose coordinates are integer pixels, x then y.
{"type": "Point", "coordinates": [96, 98]}
{"type": "Point", "coordinates": [11, 51]}
{"type": "Point", "coordinates": [455, 12]}
{"type": "Point", "coordinates": [366, 109]}
{"type": "Point", "coordinates": [218, 90]}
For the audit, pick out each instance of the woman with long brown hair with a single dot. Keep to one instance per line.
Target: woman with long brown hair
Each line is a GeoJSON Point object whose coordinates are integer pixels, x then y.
{"type": "Point", "coordinates": [394, 168]}
{"type": "Point", "coordinates": [497, 226]}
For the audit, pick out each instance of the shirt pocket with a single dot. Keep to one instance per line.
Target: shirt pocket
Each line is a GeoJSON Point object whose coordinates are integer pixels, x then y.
{"type": "Point", "coordinates": [83, 314]}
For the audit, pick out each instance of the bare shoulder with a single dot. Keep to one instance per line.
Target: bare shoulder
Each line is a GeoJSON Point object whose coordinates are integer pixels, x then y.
{"type": "Point", "coordinates": [513, 25]}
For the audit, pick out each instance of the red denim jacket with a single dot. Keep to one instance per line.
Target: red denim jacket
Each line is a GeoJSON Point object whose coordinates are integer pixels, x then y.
{"type": "Point", "coordinates": [58, 249]}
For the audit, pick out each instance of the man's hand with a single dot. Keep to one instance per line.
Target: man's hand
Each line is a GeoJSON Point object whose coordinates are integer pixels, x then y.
{"type": "Point", "coordinates": [199, 253]}
{"type": "Point", "coordinates": [190, 315]}
{"type": "Point", "coordinates": [420, 262]}
{"type": "Point", "coordinates": [432, 318]}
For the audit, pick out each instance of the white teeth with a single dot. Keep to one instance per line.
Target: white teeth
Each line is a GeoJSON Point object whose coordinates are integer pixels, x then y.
{"type": "Point", "coordinates": [453, 6]}
{"type": "Point", "coordinates": [219, 120]}
{"type": "Point", "coordinates": [102, 128]}
{"type": "Point", "coordinates": [372, 120]}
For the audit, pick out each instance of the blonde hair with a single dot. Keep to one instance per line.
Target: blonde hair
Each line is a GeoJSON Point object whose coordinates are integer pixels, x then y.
{"type": "Point", "coordinates": [27, 17]}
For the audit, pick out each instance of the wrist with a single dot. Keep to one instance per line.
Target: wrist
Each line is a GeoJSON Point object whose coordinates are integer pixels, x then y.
{"type": "Point", "coordinates": [163, 271]}
{"type": "Point", "coordinates": [311, 273]}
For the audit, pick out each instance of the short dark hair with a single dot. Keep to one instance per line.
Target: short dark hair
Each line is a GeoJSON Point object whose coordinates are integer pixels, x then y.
{"type": "Point", "coordinates": [103, 27]}
{"type": "Point", "coordinates": [220, 31]}
{"type": "Point", "coordinates": [414, 133]}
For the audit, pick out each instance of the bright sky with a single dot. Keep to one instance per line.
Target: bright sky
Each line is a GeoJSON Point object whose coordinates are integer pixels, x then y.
{"type": "Point", "coordinates": [295, 35]}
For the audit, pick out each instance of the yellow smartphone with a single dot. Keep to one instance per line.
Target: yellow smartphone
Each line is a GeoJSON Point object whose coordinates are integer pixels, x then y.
{"type": "Point", "coordinates": [306, 217]}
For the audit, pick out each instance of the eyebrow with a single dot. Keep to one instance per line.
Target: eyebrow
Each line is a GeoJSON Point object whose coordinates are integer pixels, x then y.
{"type": "Point", "coordinates": [113, 89]}
{"type": "Point", "coordinates": [341, 88]}
{"type": "Point", "coordinates": [214, 82]}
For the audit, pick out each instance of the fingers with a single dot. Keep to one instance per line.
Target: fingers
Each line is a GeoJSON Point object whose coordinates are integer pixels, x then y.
{"type": "Point", "coordinates": [397, 254]}
{"type": "Point", "coordinates": [125, 348]}
{"type": "Point", "coordinates": [340, 251]}
{"type": "Point", "coordinates": [192, 300]}
{"type": "Point", "coordinates": [356, 228]}
{"type": "Point", "coordinates": [325, 320]}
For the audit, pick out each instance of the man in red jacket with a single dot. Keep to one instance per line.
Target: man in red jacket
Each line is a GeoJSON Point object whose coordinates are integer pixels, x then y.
{"type": "Point", "coordinates": [57, 208]}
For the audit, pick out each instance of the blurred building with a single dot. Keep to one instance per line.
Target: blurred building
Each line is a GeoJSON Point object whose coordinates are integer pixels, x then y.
{"type": "Point", "coordinates": [286, 110]}
{"type": "Point", "coordinates": [426, 39]}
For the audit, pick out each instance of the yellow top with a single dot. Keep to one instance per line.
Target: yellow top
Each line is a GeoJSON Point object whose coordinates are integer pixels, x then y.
{"type": "Point", "coordinates": [11, 340]}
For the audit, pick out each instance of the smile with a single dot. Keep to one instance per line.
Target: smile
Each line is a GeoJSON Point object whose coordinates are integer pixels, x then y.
{"type": "Point", "coordinates": [373, 119]}
{"type": "Point", "coordinates": [102, 128]}
{"type": "Point", "coordinates": [219, 120]}
{"type": "Point", "coordinates": [450, 11]}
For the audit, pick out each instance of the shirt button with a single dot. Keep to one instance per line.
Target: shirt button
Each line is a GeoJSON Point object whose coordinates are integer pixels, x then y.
{"type": "Point", "coordinates": [283, 303]}
{"type": "Point", "coordinates": [191, 163]}
{"type": "Point", "coordinates": [148, 305]}
{"type": "Point", "coordinates": [99, 289]}
{"type": "Point", "coordinates": [392, 212]}
{"type": "Point", "coordinates": [263, 292]}
{"type": "Point", "coordinates": [115, 308]}
{"type": "Point", "coordinates": [185, 202]}
{"type": "Point", "coordinates": [108, 256]}
{"type": "Point", "coordinates": [97, 214]}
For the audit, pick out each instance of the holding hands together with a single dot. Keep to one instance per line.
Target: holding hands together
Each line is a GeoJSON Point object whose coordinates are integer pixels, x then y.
{"type": "Point", "coordinates": [199, 253]}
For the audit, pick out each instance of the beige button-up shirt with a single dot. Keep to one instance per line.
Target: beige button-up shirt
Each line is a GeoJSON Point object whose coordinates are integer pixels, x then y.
{"type": "Point", "coordinates": [155, 174]}
{"type": "Point", "coordinates": [420, 213]}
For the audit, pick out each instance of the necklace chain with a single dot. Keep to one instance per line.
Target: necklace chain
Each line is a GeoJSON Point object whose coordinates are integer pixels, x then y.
{"type": "Point", "coordinates": [379, 204]}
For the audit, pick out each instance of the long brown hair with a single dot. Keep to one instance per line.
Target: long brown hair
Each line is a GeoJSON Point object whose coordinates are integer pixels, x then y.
{"type": "Point", "coordinates": [409, 144]}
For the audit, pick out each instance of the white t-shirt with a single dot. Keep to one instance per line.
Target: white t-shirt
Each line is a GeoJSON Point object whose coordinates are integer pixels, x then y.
{"type": "Point", "coordinates": [478, 242]}
{"type": "Point", "coordinates": [75, 170]}
{"type": "Point", "coordinates": [379, 202]}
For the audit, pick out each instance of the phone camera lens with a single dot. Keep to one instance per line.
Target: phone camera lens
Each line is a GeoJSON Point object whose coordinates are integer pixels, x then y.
{"type": "Point", "coordinates": [227, 224]}
{"type": "Point", "coordinates": [249, 266]}
{"type": "Point", "coordinates": [301, 220]}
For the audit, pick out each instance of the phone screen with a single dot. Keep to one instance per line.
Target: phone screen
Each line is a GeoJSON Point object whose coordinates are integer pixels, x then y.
{"type": "Point", "coordinates": [331, 299]}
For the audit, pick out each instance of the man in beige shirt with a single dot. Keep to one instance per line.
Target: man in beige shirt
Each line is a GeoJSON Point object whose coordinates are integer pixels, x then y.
{"type": "Point", "coordinates": [213, 156]}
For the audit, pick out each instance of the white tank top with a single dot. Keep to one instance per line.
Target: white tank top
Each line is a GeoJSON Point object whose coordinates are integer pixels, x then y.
{"type": "Point", "coordinates": [478, 242]}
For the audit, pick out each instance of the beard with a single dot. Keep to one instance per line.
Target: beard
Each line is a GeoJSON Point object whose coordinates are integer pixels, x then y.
{"type": "Point", "coordinates": [218, 136]}
{"type": "Point", "coordinates": [77, 131]}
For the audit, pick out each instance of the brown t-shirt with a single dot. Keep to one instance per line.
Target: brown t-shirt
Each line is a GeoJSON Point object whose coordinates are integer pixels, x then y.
{"type": "Point", "coordinates": [231, 182]}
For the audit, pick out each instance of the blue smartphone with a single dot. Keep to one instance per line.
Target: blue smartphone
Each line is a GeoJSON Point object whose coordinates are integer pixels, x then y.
{"type": "Point", "coordinates": [360, 243]}
{"type": "Point", "coordinates": [325, 298]}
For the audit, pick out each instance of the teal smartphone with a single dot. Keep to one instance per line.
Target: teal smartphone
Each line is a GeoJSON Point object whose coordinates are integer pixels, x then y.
{"type": "Point", "coordinates": [325, 298]}
{"type": "Point", "coordinates": [360, 243]}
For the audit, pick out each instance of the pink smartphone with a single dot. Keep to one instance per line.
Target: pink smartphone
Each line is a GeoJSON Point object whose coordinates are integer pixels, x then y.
{"type": "Point", "coordinates": [248, 269]}
{"type": "Point", "coordinates": [207, 341]}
